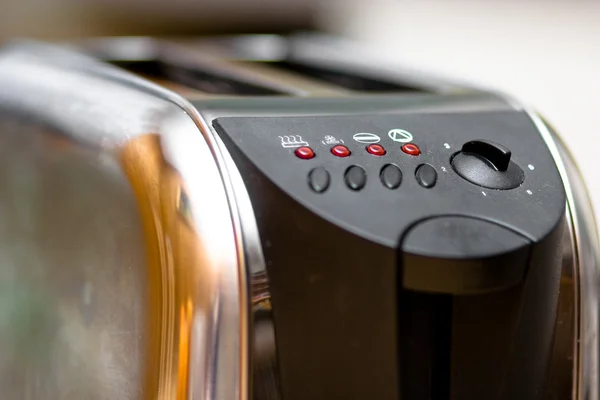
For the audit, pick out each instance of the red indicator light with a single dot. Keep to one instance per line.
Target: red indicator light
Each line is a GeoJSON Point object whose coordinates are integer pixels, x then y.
{"type": "Point", "coordinates": [376, 149]}
{"type": "Point", "coordinates": [411, 149]}
{"type": "Point", "coordinates": [305, 153]}
{"type": "Point", "coordinates": [340, 151]}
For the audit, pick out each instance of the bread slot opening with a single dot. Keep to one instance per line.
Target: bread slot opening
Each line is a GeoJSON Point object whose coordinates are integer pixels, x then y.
{"type": "Point", "coordinates": [206, 81]}
{"type": "Point", "coordinates": [346, 79]}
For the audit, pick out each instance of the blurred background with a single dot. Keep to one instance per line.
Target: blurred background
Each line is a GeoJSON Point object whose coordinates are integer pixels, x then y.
{"type": "Point", "coordinates": [546, 53]}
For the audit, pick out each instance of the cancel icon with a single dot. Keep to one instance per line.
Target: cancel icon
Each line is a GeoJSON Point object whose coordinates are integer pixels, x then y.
{"type": "Point", "coordinates": [366, 138]}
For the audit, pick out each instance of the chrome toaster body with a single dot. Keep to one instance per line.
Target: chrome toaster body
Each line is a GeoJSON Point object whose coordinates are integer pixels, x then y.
{"type": "Point", "coordinates": [132, 264]}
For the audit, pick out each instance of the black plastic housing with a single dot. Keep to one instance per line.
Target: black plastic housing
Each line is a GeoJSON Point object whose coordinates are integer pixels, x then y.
{"type": "Point", "coordinates": [407, 293]}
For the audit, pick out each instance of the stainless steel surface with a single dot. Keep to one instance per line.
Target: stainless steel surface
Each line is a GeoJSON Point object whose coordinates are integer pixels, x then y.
{"type": "Point", "coordinates": [562, 371]}
{"type": "Point", "coordinates": [113, 286]}
{"type": "Point", "coordinates": [581, 268]}
{"type": "Point", "coordinates": [72, 270]}
{"type": "Point", "coordinates": [206, 55]}
{"type": "Point", "coordinates": [250, 58]}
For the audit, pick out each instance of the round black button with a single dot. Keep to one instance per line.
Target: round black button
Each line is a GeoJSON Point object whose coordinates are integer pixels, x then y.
{"type": "Point", "coordinates": [391, 176]}
{"type": "Point", "coordinates": [318, 179]}
{"type": "Point", "coordinates": [426, 175]}
{"type": "Point", "coordinates": [356, 178]}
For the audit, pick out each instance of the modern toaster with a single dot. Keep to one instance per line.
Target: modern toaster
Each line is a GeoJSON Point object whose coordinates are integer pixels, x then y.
{"type": "Point", "coordinates": [283, 217]}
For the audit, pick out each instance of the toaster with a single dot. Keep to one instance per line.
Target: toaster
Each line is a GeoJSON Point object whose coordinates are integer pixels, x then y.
{"type": "Point", "coordinates": [283, 217]}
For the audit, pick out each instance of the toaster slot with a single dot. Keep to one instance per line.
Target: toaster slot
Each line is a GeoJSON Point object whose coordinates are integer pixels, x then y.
{"type": "Point", "coordinates": [201, 80]}
{"type": "Point", "coordinates": [300, 85]}
{"type": "Point", "coordinates": [346, 79]}
{"type": "Point", "coordinates": [247, 68]}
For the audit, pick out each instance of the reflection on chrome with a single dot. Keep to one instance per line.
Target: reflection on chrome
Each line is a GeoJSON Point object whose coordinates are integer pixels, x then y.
{"type": "Point", "coordinates": [576, 341]}
{"type": "Point", "coordinates": [132, 284]}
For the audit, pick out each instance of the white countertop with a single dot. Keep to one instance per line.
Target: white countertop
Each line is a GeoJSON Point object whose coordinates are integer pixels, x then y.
{"type": "Point", "coordinates": [545, 53]}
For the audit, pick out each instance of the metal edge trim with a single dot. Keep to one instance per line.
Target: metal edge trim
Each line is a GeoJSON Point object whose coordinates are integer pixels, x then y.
{"type": "Point", "coordinates": [574, 227]}
{"type": "Point", "coordinates": [217, 152]}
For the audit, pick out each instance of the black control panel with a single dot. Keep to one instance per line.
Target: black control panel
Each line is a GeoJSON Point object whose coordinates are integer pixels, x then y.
{"type": "Point", "coordinates": [376, 175]}
{"type": "Point", "coordinates": [410, 255]}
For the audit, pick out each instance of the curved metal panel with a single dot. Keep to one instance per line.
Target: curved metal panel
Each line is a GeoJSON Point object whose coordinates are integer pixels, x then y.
{"type": "Point", "coordinates": [121, 203]}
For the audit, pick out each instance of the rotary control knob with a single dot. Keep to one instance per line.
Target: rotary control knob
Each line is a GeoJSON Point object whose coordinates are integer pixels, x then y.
{"type": "Point", "coordinates": [487, 164]}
